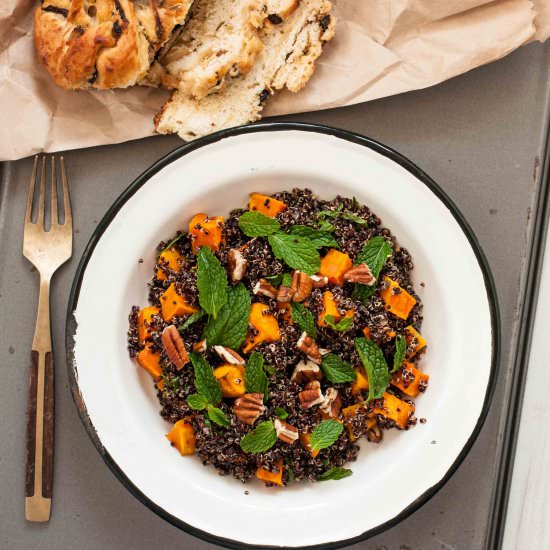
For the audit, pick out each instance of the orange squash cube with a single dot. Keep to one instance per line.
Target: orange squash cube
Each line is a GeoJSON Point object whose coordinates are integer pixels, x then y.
{"type": "Point", "coordinates": [348, 413]}
{"type": "Point", "coordinates": [265, 324]}
{"type": "Point", "coordinates": [144, 318]}
{"type": "Point", "coordinates": [173, 304]}
{"type": "Point", "coordinates": [265, 204]}
{"type": "Point", "coordinates": [231, 379]}
{"type": "Point", "coordinates": [420, 342]}
{"type": "Point", "coordinates": [271, 477]}
{"type": "Point", "coordinates": [413, 387]}
{"type": "Point", "coordinates": [169, 258]}
{"type": "Point", "coordinates": [395, 409]}
{"type": "Point", "coordinates": [335, 265]}
{"type": "Point", "coordinates": [150, 361]}
{"type": "Point", "coordinates": [206, 231]}
{"type": "Point", "coordinates": [182, 437]}
{"type": "Point", "coordinates": [361, 383]}
{"type": "Point", "coordinates": [367, 333]}
{"type": "Point", "coordinates": [399, 304]}
{"type": "Point", "coordinates": [330, 308]}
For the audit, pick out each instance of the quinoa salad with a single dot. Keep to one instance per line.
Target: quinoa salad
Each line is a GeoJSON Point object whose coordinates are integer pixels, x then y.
{"type": "Point", "coordinates": [280, 336]}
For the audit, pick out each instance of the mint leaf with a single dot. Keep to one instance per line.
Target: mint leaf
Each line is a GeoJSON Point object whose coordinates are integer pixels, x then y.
{"type": "Point", "coordinates": [375, 365]}
{"type": "Point", "coordinates": [211, 282]}
{"type": "Point", "coordinates": [325, 226]}
{"type": "Point", "coordinates": [291, 476]}
{"type": "Point", "coordinates": [197, 401]}
{"type": "Point", "coordinates": [355, 219]}
{"type": "Point", "coordinates": [193, 318]}
{"type": "Point", "coordinates": [330, 213]}
{"type": "Point", "coordinates": [286, 279]}
{"type": "Point", "coordinates": [205, 381]}
{"type": "Point", "coordinates": [229, 328]}
{"type": "Point", "coordinates": [217, 416]}
{"type": "Point", "coordinates": [270, 370]}
{"type": "Point", "coordinates": [297, 252]}
{"type": "Point", "coordinates": [335, 474]}
{"type": "Point", "coordinates": [362, 293]}
{"type": "Point", "coordinates": [325, 434]}
{"type": "Point", "coordinates": [303, 318]}
{"type": "Point", "coordinates": [317, 237]}
{"type": "Point", "coordinates": [274, 280]}
{"type": "Point", "coordinates": [375, 253]}
{"type": "Point", "coordinates": [170, 244]}
{"type": "Point", "coordinates": [400, 351]}
{"type": "Point", "coordinates": [281, 413]}
{"type": "Point", "coordinates": [344, 324]}
{"type": "Point", "coordinates": [256, 224]}
{"type": "Point", "coordinates": [261, 439]}
{"type": "Point", "coordinates": [255, 380]}
{"type": "Point", "coordinates": [336, 370]}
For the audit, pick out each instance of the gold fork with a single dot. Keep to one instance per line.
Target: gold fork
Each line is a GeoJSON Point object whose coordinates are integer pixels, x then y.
{"type": "Point", "coordinates": [47, 250]}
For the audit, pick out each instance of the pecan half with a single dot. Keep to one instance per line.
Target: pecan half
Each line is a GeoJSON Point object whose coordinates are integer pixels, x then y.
{"type": "Point", "coordinates": [374, 435]}
{"type": "Point", "coordinates": [302, 286]}
{"type": "Point", "coordinates": [200, 347]}
{"type": "Point", "coordinates": [332, 404]}
{"type": "Point", "coordinates": [306, 344]}
{"type": "Point", "coordinates": [311, 395]}
{"type": "Point", "coordinates": [285, 294]}
{"type": "Point", "coordinates": [285, 432]}
{"type": "Point", "coordinates": [249, 407]}
{"type": "Point", "coordinates": [306, 371]}
{"type": "Point", "coordinates": [237, 265]}
{"type": "Point", "coordinates": [360, 274]}
{"type": "Point", "coordinates": [174, 347]}
{"type": "Point", "coordinates": [228, 355]}
{"type": "Point", "coordinates": [319, 281]}
{"type": "Point", "coordinates": [264, 288]}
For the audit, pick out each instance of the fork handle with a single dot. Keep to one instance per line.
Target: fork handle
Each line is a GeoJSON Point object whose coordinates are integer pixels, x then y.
{"type": "Point", "coordinates": [40, 418]}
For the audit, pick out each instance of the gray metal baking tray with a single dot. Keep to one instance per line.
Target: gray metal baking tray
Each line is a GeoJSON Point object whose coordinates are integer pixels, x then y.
{"type": "Point", "coordinates": [481, 136]}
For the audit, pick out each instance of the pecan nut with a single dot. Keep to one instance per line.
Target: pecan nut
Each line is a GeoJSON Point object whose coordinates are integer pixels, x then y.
{"type": "Point", "coordinates": [237, 265]}
{"type": "Point", "coordinates": [311, 395]}
{"type": "Point", "coordinates": [374, 435]}
{"type": "Point", "coordinates": [306, 371]}
{"type": "Point", "coordinates": [174, 347]}
{"type": "Point", "coordinates": [265, 289]}
{"type": "Point", "coordinates": [360, 274]}
{"type": "Point", "coordinates": [332, 404]}
{"type": "Point", "coordinates": [319, 281]}
{"type": "Point", "coordinates": [306, 344]}
{"type": "Point", "coordinates": [249, 407]}
{"type": "Point", "coordinates": [200, 347]}
{"type": "Point", "coordinates": [228, 355]}
{"type": "Point", "coordinates": [302, 286]}
{"type": "Point", "coordinates": [285, 432]}
{"type": "Point", "coordinates": [285, 294]}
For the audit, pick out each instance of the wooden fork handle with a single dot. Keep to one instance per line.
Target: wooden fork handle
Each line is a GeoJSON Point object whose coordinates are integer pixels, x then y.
{"type": "Point", "coordinates": [40, 437]}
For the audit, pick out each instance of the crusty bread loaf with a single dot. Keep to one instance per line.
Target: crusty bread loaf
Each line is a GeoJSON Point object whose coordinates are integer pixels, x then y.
{"type": "Point", "coordinates": [103, 43]}
{"type": "Point", "coordinates": [220, 41]}
{"type": "Point", "coordinates": [292, 44]}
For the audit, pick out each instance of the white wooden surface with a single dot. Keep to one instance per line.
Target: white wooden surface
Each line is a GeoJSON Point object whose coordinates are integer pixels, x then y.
{"type": "Point", "coordinates": [528, 521]}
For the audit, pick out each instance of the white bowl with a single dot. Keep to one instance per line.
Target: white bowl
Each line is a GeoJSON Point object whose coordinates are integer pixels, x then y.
{"type": "Point", "coordinates": [117, 401]}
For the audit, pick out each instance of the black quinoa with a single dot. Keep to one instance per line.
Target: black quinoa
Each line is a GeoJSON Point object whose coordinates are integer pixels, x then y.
{"type": "Point", "coordinates": [218, 446]}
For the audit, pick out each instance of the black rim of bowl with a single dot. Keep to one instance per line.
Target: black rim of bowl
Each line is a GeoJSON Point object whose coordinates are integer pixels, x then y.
{"type": "Point", "coordinates": [275, 127]}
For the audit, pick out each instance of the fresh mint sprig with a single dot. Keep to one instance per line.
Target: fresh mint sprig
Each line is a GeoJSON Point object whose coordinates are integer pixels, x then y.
{"type": "Point", "coordinates": [211, 282]}
{"type": "Point", "coordinates": [375, 366]}
{"type": "Point", "coordinates": [303, 318]}
{"type": "Point", "coordinates": [400, 352]}
{"type": "Point", "coordinates": [261, 439]}
{"type": "Point", "coordinates": [325, 434]}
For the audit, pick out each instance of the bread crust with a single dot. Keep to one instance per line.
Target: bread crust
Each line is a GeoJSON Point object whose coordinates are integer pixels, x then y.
{"type": "Point", "coordinates": [103, 43]}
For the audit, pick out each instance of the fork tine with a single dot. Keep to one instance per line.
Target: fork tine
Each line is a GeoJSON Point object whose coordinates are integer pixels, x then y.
{"type": "Point", "coordinates": [66, 196]}
{"type": "Point", "coordinates": [30, 194]}
{"type": "Point", "coordinates": [54, 218]}
{"type": "Point", "coordinates": [42, 195]}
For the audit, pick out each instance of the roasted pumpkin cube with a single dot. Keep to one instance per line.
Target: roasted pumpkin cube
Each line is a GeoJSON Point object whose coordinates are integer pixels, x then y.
{"type": "Point", "coordinates": [206, 231]}
{"type": "Point", "coordinates": [231, 379]}
{"type": "Point", "coordinates": [168, 258]}
{"type": "Point", "coordinates": [349, 413]}
{"type": "Point", "coordinates": [173, 304]}
{"type": "Point", "coordinates": [334, 265]}
{"type": "Point", "coordinates": [409, 379]}
{"type": "Point", "coordinates": [361, 382]}
{"type": "Point", "coordinates": [420, 343]}
{"type": "Point", "coordinates": [305, 438]}
{"type": "Point", "coordinates": [150, 361]}
{"type": "Point", "coordinates": [265, 204]}
{"type": "Point", "coordinates": [367, 333]}
{"type": "Point", "coordinates": [265, 327]}
{"type": "Point", "coordinates": [330, 308]}
{"type": "Point", "coordinates": [144, 319]}
{"type": "Point", "coordinates": [182, 437]}
{"type": "Point", "coordinates": [398, 301]}
{"type": "Point", "coordinates": [271, 477]}
{"type": "Point", "coordinates": [395, 409]}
